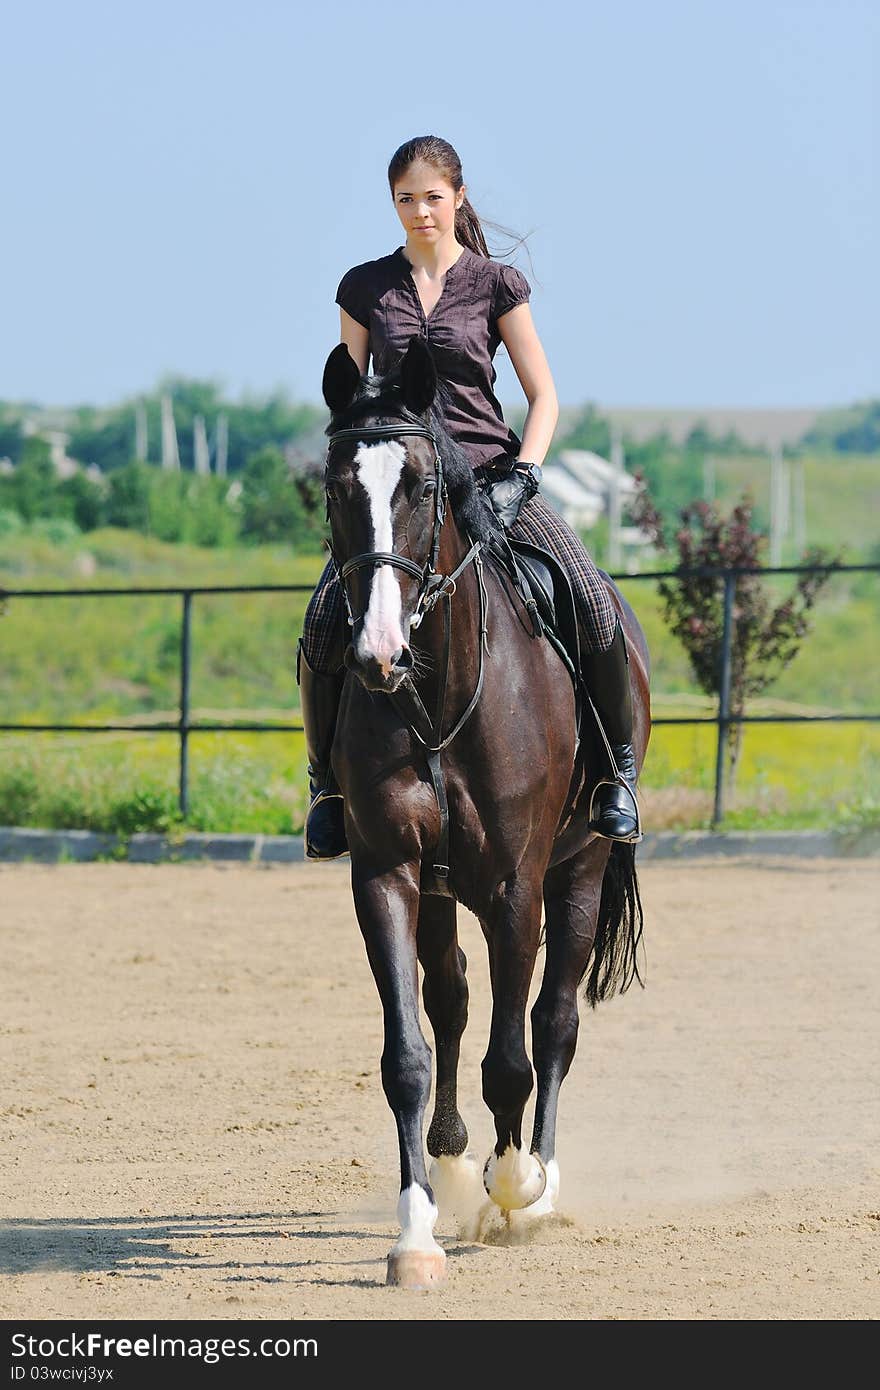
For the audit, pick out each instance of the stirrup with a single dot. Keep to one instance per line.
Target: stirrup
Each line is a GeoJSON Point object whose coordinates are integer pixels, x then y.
{"type": "Point", "coordinates": [636, 835]}
{"type": "Point", "coordinates": [322, 796]}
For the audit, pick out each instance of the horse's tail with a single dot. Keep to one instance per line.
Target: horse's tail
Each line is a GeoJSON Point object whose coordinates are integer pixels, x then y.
{"type": "Point", "coordinates": [614, 965]}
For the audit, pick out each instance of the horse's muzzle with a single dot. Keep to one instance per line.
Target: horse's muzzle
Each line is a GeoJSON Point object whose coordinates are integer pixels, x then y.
{"type": "Point", "coordinates": [383, 676]}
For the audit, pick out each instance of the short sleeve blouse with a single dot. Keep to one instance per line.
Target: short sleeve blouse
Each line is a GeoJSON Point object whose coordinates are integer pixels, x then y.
{"type": "Point", "coordinates": [461, 330]}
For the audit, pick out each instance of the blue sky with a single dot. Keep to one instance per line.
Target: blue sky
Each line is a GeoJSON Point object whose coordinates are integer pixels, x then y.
{"type": "Point", "coordinates": [185, 183]}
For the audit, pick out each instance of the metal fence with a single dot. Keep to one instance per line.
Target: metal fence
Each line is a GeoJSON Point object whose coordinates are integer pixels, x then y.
{"type": "Point", "coordinates": [183, 726]}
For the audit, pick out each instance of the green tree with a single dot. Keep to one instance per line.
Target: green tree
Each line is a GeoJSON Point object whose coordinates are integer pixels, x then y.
{"type": "Point", "coordinates": [673, 474]}
{"type": "Point", "coordinates": [33, 485]}
{"type": "Point", "coordinates": [590, 431]}
{"type": "Point", "coordinates": [274, 420]}
{"type": "Point", "coordinates": [855, 430]}
{"type": "Point", "coordinates": [167, 505]}
{"type": "Point", "coordinates": [128, 497]}
{"type": "Point", "coordinates": [106, 438]}
{"type": "Point", "coordinates": [82, 499]}
{"type": "Point", "coordinates": [212, 521]}
{"type": "Point", "coordinates": [271, 506]}
{"type": "Point", "coordinates": [765, 638]}
{"type": "Point", "coordinates": [11, 437]}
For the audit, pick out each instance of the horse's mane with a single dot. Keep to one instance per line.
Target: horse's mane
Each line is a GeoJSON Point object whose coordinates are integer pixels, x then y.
{"type": "Point", "coordinates": [381, 394]}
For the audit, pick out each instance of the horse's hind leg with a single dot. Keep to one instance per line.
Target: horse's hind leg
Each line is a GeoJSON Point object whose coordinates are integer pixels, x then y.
{"type": "Point", "coordinates": [387, 906]}
{"type": "Point", "coordinates": [455, 1178]}
{"type": "Point", "coordinates": [571, 901]}
{"type": "Point", "coordinates": [514, 1179]}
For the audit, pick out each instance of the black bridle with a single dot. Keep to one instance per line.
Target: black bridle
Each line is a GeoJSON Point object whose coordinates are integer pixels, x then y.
{"type": "Point", "coordinates": [432, 585]}
{"type": "Point", "coordinates": [432, 588]}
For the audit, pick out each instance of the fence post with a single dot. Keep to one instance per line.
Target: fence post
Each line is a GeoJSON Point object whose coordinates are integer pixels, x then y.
{"type": "Point", "coordinates": [185, 653]}
{"type": "Point", "coordinates": [724, 697]}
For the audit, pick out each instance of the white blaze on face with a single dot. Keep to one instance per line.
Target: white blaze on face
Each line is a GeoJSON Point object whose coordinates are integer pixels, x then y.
{"type": "Point", "coordinates": [380, 467]}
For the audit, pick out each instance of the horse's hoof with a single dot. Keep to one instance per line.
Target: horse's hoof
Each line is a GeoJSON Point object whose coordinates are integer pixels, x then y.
{"type": "Point", "coordinates": [545, 1205]}
{"type": "Point", "coordinates": [516, 1180]}
{"type": "Point", "coordinates": [416, 1269]}
{"type": "Point", "coordinates": [457, 1184]}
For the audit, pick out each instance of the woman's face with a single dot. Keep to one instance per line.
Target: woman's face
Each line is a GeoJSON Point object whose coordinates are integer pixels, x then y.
{"type": "Point", "coordinates": [426, 204]}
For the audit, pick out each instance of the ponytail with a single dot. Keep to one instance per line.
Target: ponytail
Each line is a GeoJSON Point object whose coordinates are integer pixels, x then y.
{"type": "Point", "coordinates": [430, 149]}
{"type": "Point", "coordinates": [468, 230]}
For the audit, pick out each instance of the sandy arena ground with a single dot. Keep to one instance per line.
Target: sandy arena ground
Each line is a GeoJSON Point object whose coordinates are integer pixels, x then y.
{"type": "Point", "coordinates": [193, 1123]}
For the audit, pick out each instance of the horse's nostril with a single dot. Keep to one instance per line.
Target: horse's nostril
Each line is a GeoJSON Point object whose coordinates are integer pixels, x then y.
{"type": "Point", "coordinates": [402, 660]}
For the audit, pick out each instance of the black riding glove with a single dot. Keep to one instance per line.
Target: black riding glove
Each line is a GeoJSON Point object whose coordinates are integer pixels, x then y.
{"type": "Point", "coordinates": [509, 495]}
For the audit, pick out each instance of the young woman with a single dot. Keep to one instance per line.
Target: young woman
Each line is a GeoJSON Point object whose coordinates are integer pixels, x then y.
{"type": "Point", "coordinates": [443, 285]}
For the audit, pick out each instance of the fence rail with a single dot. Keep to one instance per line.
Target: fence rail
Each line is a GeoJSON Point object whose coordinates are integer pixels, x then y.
{"type": "Point", "coordinates": [183, 726]}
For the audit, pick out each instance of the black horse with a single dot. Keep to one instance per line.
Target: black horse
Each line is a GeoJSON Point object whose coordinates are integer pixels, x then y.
{"type": "Point", "coordinates": [484, 801]}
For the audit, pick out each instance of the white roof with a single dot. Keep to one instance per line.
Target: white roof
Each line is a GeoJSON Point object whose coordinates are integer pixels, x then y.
{"type": "Point", "coordinates": [567, 496]}
{"type": "Point", "coordinates": [559, 484]}
{"type": "Point", "coordinates": [591, 468]}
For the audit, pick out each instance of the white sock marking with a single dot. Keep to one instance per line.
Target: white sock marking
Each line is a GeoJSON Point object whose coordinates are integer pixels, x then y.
{"type": "Point", "coordinates": [417, 1216]}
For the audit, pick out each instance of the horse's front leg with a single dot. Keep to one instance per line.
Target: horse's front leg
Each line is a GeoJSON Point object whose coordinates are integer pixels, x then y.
{"type": "Point", "coordinates": [455, 1176]}
{"type": "Point", "coordinates": [387, 906]}
{"type": "Point", "coordinates": [513, 1177]}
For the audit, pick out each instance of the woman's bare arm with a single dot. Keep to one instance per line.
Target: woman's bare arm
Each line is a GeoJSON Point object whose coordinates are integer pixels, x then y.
{"type": "Point", "coordinates": [520, 337]}
{"type": "Point", "coordinates": [356, 339]}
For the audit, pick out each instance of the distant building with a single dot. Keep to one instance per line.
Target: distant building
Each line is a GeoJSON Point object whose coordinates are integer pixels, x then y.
{"type": "Point", "coordinates": [582, 486]}
{"type": "Point", "coordinates": [597, 473]}
{"type": "Point", "coordinates": [576, 504]}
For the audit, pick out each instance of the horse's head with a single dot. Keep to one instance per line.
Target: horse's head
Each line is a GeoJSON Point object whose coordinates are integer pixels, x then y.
{"type": "Point", "coordinates": [385, 502]}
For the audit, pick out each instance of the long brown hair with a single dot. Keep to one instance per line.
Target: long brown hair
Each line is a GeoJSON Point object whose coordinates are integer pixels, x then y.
{"type": "Point", "coordinates": [430, 149]}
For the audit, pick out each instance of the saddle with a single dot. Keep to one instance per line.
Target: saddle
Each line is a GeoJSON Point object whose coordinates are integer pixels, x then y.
{"type": "Point", "coordinates": [545, 589]}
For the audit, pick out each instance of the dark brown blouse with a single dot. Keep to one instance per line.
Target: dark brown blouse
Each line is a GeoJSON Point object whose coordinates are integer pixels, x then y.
{"type": "Point", "coordinates": [462, 330]}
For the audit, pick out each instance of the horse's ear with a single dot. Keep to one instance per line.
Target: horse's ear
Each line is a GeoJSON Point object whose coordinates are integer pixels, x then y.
{"type": "Point", "coordinates": [418, 375]}
{"type": "Point", "coordinates": [341, 379]}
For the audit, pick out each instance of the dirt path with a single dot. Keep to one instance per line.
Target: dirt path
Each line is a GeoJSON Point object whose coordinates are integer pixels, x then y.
{"type": "Point", "coordinates": [193, 1124]}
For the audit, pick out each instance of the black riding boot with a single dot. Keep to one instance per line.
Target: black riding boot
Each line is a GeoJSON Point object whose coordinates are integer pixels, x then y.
{"type": "Point", "coordinates": [614, 812]}
{"type": "Point", "coordinates": [319, 697]}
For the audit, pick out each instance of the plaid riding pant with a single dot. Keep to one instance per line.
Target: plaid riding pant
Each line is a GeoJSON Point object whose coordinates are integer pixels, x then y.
{"type": "Point", "coordinates": [324, 623]}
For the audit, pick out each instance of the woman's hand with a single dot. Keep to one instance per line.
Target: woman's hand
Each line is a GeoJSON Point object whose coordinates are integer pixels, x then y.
{"type": "Point", "coordinates": [510, 494]}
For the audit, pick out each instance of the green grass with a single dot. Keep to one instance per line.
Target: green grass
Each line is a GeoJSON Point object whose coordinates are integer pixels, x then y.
{"type": "Point", "coordinates": [837, 669]}
{"type": "Point", "coordinates": [127, 784]}
{"type": "Point", "coordinates": [103, 659]}
{"type": "Point", "coordinates": [790, 775]}
{"type": "Point", "coordinates": [842, 496]}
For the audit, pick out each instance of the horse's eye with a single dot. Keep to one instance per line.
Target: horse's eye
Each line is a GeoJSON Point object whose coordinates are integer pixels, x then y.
{"type": "Point", "coordinates": [428, 490]}
{"type": "Point", "coordinates": [331, 495]}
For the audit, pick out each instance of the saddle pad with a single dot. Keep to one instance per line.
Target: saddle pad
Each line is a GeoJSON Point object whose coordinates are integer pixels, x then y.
{"type": "Point", "coordinates": [561, 619]}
